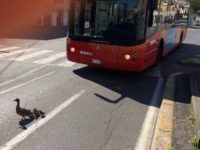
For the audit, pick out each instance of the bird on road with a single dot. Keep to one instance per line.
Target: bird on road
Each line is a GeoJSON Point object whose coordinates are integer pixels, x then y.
{"type": "Point", "coordinates": [38, 113]}
{"type": "Point", "coordinates": [22, 111]}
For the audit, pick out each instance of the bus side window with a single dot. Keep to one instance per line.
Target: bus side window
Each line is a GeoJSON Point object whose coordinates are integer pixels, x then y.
{"type": "Point", "coordinates": [152, 17]}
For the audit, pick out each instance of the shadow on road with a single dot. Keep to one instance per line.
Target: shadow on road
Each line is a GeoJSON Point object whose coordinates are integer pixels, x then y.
{"type": "Point", "coordinates": [172, 66]}
{"type": "Point", "coordinates": [139, 86]}
{"type": "Point", "coordinates": [172, 63]}
{"type": "Point", "coordinates": [136, 86]}
{"type": "Point", "coordinates": [23, 123]}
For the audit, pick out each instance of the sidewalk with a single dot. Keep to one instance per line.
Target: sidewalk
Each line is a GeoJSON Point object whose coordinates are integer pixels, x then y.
{"type": "Point", "coordinates": [178, 124]}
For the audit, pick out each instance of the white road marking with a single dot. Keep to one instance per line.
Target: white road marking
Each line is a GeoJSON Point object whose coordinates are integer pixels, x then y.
{"type": "Point", "coordinates": [28, 56]}
{"type": "Point", "coordinates": [147, 130]}
{"type": "Point", "coordinates": [8, 48]}
{"type": "Point", "coordinates": [22, 76]}
{"type": "Point", "coordinates": [66, 63]}
{"type": "Point", "coordinates": [22, 84]}
{"type": "Point", "coordinates": [15, 52]}
{"type": "Point", "coordinates": [50, 58]}
{"type": "Point", "coordinates": [46, 60]}
{"type": "Point", "coordinates": [23, 135]}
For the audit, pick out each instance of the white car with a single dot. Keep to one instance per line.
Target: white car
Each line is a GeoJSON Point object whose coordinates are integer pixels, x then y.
{"type": "Point", "coordinates": [197, 23]}
{"type": "Point", "coordinates": [183, 22]}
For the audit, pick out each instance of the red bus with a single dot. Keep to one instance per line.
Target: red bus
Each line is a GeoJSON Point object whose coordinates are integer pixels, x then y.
{"type": "Point", "coordinates": [128, 35]}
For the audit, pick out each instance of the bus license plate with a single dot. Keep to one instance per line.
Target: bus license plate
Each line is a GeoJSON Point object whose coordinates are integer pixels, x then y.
{"type": "Point", "coordinates": [96, 61]}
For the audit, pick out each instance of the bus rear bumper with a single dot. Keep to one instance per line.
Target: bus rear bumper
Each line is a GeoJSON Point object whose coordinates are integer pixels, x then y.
{"type": "Point", "coordinates": [138, 66]}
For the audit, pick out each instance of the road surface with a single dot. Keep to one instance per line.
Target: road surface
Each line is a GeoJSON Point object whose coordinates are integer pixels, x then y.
{"type": "Point", "coordinates": [87, 108]}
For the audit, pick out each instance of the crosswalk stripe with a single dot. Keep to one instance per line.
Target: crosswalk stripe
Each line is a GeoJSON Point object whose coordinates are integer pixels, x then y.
{"type": "Point", "coordinates": [28, 56]}
{"type": "Point", "coordinates": [50, 58]}
{"type": "Point", "coordinates": [8, 48]}
{"type": "Point", "coordinates": [15, 52]}
{"type": "Point", "coordinates": [66, 63]}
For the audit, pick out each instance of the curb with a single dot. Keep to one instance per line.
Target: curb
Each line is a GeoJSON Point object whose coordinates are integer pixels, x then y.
{"type": "Point", "coordinates": [191, 61]}
{"type": "Point", "coordinates": [147, 130]}
{"type": "Point", "coordinates": [162, 139]}
{"type": "Point", "coordinates": [195, 101]}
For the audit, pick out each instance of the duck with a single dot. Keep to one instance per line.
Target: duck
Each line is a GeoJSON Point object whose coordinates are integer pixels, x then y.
{"type": "Point", "coordinates": [22, 111]}
{"type": "Point", "coordinates": [38, 113]}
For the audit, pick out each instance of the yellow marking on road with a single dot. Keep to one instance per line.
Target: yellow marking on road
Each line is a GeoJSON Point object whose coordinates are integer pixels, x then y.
{"type": "Point", "coordinates": [163, 131]}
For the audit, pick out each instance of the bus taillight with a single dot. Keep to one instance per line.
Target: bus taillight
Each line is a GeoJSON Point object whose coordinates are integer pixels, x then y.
{"type": "Point", "coordinates": [127, 57]}
{"type": "Point", "coordinates": [72, 49]}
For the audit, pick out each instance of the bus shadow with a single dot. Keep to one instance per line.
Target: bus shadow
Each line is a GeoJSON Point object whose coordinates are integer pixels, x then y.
{"type": "Point", "coordinates": [135, 86]}
{"type": "Point", "coordinates": [180, 73]}
{"type": "Point", "coordinates": [141, 86]}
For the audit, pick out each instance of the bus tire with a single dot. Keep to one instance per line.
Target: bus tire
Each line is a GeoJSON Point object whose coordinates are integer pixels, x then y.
{"type": "Point", "coordinates": [160, 51]}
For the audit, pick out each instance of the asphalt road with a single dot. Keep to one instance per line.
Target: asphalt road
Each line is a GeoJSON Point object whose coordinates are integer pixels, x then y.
{"type": "Point", "coordinates": [110, 113]}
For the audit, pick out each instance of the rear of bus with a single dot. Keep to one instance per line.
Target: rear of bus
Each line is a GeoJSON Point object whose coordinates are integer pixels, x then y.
{"type": "Point", "coordinates": [107, 34]}
{"type": "Point", "coordinates": [126, 35]}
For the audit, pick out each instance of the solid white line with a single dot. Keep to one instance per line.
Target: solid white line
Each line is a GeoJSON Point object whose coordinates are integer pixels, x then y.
{"type": "Point", "coordinates": [8, 48]}
{"type": "Point", "coordinates": [51, 58]}
{"type": "Point", "coordinates": [15, 52]}
{"type": "Point", "coordinates": [146, 133]}
{"type": "Point", "coordinates": [28, 56]}
{"type": "Point", "coordinates": [66, 63]}
{"type": "Point", "coordinates": [22, 76]}
{"type": "Point", "coordinates": [22, 84]}
{"type": "Point", "coordinates": [23, 135]}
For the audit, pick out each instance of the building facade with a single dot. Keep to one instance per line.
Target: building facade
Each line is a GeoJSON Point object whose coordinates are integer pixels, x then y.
{"type": "Point", "coordinates": [56, 16]}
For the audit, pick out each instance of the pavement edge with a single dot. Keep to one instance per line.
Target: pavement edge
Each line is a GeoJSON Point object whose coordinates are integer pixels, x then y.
{"type": "Point", "coordinates": [162, 139]}
{"type": "Point", "coordinates": [195, 101]}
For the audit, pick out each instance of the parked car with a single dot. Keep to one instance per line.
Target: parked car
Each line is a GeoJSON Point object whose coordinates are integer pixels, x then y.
{"type": "Point", "coordinates": [197, 23]}
{"type": "Point", "coordinates": [182, 22]}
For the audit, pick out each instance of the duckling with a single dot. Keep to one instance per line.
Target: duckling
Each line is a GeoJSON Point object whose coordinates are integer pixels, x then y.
{"type": "Point", "coordinates": [38, 113]}
{"type": "Point", "coordinates": [22, 111]}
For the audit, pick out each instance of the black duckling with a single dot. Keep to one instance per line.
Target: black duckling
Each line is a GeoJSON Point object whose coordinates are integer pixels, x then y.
{"type": "Point", "coordinates": [38, 113]}
{"type": "Point", "coordinates": [22, 111]}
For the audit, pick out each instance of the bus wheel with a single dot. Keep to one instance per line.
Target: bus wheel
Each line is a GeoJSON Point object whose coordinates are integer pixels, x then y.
{"type": "Point", "coordinates": [181, 40]}
{"type": "Point", "coordinates": [160, 51]}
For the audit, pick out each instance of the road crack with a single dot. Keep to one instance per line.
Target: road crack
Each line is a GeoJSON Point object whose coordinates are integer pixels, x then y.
{"type": "Point", "coordinates": [112, 124]}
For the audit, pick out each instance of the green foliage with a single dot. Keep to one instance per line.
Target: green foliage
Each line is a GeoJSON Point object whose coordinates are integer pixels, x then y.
{"type": "Point", "coordinates": [194, 140]}
{"type": "Point", "coordinates": [172, 148]}
{"type": "Point", "coordinates": [195, 4]}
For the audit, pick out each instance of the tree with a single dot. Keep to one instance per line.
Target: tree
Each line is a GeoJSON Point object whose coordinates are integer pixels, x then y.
{"type": "Point", "coordinates": [195, 5]}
